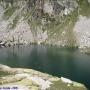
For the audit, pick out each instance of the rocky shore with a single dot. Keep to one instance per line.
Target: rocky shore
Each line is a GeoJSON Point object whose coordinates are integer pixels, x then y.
{"type": "Point", "coordinates": [28, 79]}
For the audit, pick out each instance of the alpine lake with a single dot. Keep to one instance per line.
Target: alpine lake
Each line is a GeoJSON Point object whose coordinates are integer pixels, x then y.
{"type": "Point", "coordinates": [66, 62]}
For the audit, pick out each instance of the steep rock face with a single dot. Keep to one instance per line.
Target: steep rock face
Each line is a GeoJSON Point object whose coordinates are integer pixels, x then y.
{"type": "Point", "coordinates": [14, 26]}
{"type": "Point", "coordinates": [82, 31]}
{"type": "Point", "coordinates": [82, 25]}
{"type": "Point", "coordinates": [41, 21]}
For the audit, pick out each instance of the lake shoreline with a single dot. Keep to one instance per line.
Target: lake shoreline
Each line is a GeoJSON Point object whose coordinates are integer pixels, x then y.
{"type": "Point", "coordinates": [42, 81]}
{"type": "Point", "coordinates": [85, 50]}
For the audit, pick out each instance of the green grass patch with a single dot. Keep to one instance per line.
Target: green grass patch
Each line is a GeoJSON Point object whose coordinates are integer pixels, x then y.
{"type": "Point", "coordinates": [9, 12]}
{"type": "Point", "coordinates": [65, 23]}
{"type": "Point", "coordinates": [84, 8]}
{"type": "Point", "coordinates": [59, 85]}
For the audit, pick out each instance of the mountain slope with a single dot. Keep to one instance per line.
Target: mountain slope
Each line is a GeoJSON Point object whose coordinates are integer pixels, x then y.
{"type": "Point", "coordinates": [42, 21]}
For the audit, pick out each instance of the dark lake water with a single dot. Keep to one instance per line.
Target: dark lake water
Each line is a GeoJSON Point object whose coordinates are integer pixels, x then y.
{"type": "Point", "coordinates": [66, 62]}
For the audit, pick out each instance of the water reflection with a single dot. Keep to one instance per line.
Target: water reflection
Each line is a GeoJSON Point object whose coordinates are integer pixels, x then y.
{"type": "Point", "coordinates": [67, 62]}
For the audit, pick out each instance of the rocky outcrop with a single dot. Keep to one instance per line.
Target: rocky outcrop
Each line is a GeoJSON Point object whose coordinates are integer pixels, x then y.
{"type": "Point", "coordinates": [89, 1]}
{"type": "Point", "coordinates": [29, 79]}
{"type": "Point", "coordinates": [82, 32]}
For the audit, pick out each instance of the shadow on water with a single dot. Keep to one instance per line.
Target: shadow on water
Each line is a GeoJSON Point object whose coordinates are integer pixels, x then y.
{"type": "Point", "coordinates": [66, 62]}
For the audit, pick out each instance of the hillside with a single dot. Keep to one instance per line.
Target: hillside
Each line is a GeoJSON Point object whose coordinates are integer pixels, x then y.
{"type": "Point", "coordinates": [54, 22]}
